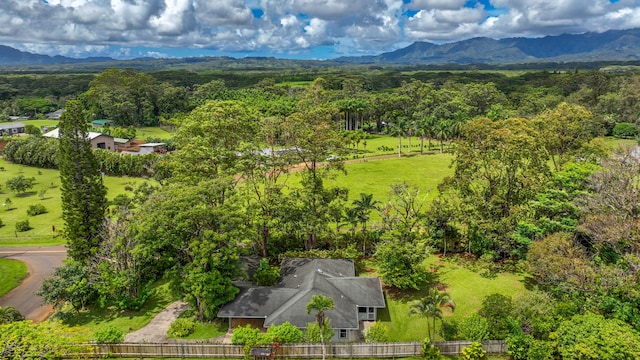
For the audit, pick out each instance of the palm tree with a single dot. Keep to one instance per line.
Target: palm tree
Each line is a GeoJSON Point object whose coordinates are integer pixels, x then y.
{"type": "Point", "coordinates": [364, 205]}
{"type": "Point", "coordinates": [443, 132]}
{"type": "Point", "coordinates": [430, 307]}
{"type": "Point", "coordinates": [399, 129]}
{"type": "Point", "coordinates": [319, 304]}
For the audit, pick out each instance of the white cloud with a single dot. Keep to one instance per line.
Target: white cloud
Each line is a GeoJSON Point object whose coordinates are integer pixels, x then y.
{"type": "Point", "coordinates": [97, 27]}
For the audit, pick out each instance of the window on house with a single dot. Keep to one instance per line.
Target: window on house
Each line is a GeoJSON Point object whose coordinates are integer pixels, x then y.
{"type": "Point", "coordinates": [362, 310]}
{"type": "Point", "coordinates": [371, 310]}
{"type": "Point", "coordinates": [343, 334]}
{"type": "Point", "coordinates": [101, 146]}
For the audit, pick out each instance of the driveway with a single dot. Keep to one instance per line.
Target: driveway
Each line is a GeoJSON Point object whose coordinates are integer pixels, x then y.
{"type": "Point", "coordinates": [40, 261]}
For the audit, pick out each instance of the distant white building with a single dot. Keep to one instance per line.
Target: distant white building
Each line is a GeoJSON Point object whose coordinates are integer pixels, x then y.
{"type": "Point", "coordinates": [98, 140]}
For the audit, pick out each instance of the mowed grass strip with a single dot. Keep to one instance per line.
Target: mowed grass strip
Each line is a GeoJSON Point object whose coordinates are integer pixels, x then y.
{"type": "Point", "coordinates": [12, 272]}
{"type": "Point", "coordinates": [376, 175]}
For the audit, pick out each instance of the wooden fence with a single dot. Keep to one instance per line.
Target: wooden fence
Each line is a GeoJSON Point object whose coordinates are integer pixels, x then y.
{"type": "Point", "coordinates": [297, 351]}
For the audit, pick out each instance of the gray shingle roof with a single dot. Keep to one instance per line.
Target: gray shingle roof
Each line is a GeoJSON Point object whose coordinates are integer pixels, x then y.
{"type": "Point", "coordinates": [300, 280]}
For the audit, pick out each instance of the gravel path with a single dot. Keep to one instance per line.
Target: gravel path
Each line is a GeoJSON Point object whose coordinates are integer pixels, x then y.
{"type": "Point", "coordinates": [156, 330]}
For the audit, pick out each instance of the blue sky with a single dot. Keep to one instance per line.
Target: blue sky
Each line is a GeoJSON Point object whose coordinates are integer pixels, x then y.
{"type": "Point", "coordinates": [296, 29]}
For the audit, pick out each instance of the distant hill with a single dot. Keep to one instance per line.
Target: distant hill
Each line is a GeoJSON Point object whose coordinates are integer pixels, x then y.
{"type": "Point", "coordinates": [11, 56]}
{"type": "Point", "coordinates": [613, 45]}
{"type": "Point", "coordinates": [610, 46]}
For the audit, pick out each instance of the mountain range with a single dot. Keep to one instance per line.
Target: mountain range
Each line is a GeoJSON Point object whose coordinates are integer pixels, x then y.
{"type": "Point", "coordinates": [613, 45]}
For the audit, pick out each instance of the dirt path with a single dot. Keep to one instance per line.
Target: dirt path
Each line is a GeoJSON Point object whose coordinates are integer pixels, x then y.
{"type": "Point", "coordinates": [156, 330]}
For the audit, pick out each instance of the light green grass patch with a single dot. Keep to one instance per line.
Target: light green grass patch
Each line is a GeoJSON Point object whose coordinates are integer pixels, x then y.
{"type": "Point", "coordinates": [12, 272]}
{"type": "Point", "coordinates": [36, 123]}
{"type": "Point", "coordinates": [388, 145]}
{"type": "Point", "coordinates": [376, 176]}
{"type": "Point", "coordinates": [466, 288]}
{"type": "Point", "coordinates": [153, 132]}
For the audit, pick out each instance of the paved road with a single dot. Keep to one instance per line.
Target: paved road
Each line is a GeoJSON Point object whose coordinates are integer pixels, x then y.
{"type": "Point", "coordinates": [40, 261]}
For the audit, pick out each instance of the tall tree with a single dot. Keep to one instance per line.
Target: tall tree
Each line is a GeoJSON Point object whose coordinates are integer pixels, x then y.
{"type": "Point", "coordinates": [499, 166]}
{"type": "Point", "coordinates": [564, 130]}
{"type": "Point", "coordinates": [83, 192]}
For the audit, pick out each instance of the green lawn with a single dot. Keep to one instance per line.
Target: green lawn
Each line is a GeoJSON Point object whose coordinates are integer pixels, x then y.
{"type": "Point", "coordinates": [153, 132]}
{"type": "Point", "coordinates": [11, 272]}
{"type": "Point", "coordinates": [96, 318]}
{"type": "Point", "coordinates": [387, 145]}
{"type": "Point", "coordinates": [377, 175]}
{"type": "Point", "coordinates": [36, 123]}
{"type": "Point", "coordinates": [466, 288]}
{"type": "Point", "coordinates": [47, 181]}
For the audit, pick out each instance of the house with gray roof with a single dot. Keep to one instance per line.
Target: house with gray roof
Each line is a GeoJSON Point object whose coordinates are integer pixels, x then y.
{"type": "Point", "coordinates": [13, 128]}
{"type": "Point", "coordinates": [357, 299]}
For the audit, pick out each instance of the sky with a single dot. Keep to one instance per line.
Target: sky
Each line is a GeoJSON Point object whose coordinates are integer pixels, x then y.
{"type": "Point", "coordinates": [293, 29]}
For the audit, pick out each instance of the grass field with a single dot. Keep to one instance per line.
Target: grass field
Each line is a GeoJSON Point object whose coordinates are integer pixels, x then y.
{"type": "Point", "coordinates": [11, 272]}
{"type": "Point", "coordinates": [467, 289]}
{"type": "Point", "coordinates": [46, 192]}
{"type": "Point", "coordinates": [152, 132]}
{"type": "Point", "coordinates": [377, 175]}
{"type": "Point", "coordinates": [36, 123]}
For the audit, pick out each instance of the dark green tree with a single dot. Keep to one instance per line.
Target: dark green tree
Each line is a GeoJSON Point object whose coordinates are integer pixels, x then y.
{"type": "Point", "coordinates": [83, 193]}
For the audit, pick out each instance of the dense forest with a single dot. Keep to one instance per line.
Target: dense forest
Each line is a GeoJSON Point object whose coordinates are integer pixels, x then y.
{"type": "Point", "coordinates": [535, 188]}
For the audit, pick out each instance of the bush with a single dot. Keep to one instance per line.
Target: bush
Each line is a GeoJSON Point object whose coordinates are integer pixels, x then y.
{"type": "Point", "coordinates": [625, 130]}
{"type": "Point", "coordinates": [36, 209]}
{"type": "Point", "coordinates": [286, 333]}
{"type": "Point", "coordinates": [244, 335]}
{"type": "Point", "coordinates": [594, 337]}
{"type": "Point", "coordinates": [429, 351]}
{"type": "Point", "coordinates": [9, 314]}
{"type": "Point", "coordinates": [378, 332]}
{"type": "Point", "coordinates": [22, 226]}
{"type": "Point", "coordinates": [109, 335]}
{"type": "Point", "coordinates": [181, 328]}
{"type": "Point", "coordinates": [1, 223]}
{"type": "Point", "coordinates": [497, 309]}
{"type": "Point", "coordinates": [266, 275]}
{"type": "Point", "coordinates": [474, 328]}
{"type": "Point", "coordinates": [474, 351]}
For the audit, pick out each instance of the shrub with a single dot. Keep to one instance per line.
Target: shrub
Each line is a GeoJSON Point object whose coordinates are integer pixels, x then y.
{"type": "Point", "coordinates": [430, 351]}
{"type": "Point", "coordinates": [109, 335]}
{"type": "Point", "coordinates": [1, 223]}
{"type": "Point", "coordinates": [22, 226]}
{"type": "Point", "coordinates": [242, 335]}
{"type": "Point", "coordinates": [594, 337]}
{"type": "Point", "coordinates": [450, 330]}
{"type": "Point", "coordinates": [9, 314]}
{"type": "Point", "coordinates": [474, 328]}
{"type": "Point", "coordinates": [378, 332]}
{"type": "Point", "coordinates": [266, 275]}
{"type": "Point", "coordinates": [474, 351]}
{"type": "Point", "coordinates": [286, 333]}
{"type": "Point", "coordinates": [313, 332]}
{"type": "Point", "coordinates": [625, 130]}
{"type": "Point", "coordinates": [181, 328]}
{"type": "Point", "coordinates": [36, 209]}
{"type": "Point", "coordinates": [497, 309]}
